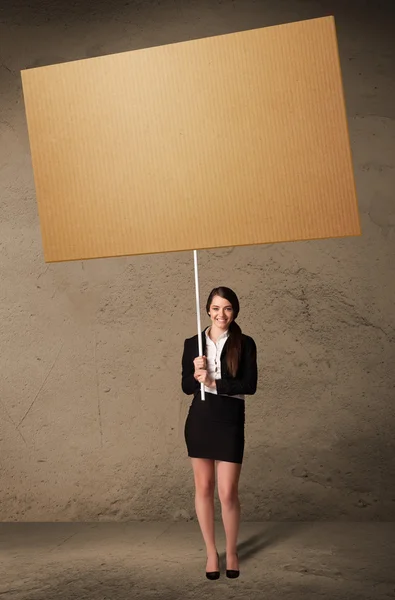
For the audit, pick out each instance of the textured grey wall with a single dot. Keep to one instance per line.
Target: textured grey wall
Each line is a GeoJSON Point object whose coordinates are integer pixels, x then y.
{"type": "Point", "coordinates": [91, 408]}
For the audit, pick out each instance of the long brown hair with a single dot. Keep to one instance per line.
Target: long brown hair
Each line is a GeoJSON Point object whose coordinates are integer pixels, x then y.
{"type": "Point", "coordinates": [233, 353]}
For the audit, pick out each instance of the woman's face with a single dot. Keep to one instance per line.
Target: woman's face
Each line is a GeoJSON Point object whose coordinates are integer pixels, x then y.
{"type": "Point", "coordinates": [221, 313]}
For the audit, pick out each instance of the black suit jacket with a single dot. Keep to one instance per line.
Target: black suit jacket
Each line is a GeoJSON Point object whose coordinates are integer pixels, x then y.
{"type": "Point", "coordinates": [246, 378]}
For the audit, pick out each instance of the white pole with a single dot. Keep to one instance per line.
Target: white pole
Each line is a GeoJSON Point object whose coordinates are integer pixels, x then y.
{"type": "Point", "coordinates": [198, 316]}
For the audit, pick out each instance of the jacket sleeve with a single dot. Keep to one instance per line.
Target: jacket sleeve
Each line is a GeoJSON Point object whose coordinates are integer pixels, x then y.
{"type": "Point", "coordinates": [188, 382]}
{"type": "Point", "coordinates": [246, 383]}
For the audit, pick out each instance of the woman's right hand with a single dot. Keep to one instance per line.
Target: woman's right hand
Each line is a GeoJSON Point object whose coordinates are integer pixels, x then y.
{"type": "Point", "coordinates": [200, 362]}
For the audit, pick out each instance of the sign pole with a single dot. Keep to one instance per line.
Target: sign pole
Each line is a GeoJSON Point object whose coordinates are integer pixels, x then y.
{"type": "Point", "coordinates": [199, 328]}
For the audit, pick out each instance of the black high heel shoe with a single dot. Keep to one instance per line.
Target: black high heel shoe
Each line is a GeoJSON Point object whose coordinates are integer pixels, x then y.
{"type": "Point", "coordinates": [213, 574]}
{"type": "Point", "coordinates": [232, 573]}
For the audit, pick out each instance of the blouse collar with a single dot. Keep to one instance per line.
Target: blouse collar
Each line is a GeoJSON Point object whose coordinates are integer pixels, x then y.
{"type": "Point", "coordinates": [225, 335]}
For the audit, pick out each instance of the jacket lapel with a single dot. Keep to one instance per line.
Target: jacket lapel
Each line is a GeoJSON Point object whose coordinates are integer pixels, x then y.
{"type": "Point", "coordinates": [224, 349]}
{"type": "Point", "coordinates": [203, 342]}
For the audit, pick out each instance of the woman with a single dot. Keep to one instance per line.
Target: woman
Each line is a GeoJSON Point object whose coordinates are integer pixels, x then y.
{"type": "Point", "coordinates": [214, 429]}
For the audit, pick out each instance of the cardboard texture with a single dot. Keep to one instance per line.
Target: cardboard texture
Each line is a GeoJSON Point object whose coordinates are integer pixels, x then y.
{"type": "Point", "coordinates": [231, 140]}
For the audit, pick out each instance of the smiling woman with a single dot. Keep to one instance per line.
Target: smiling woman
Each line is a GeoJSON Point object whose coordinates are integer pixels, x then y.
{"type": "Point", "coordinates": [214, 430]}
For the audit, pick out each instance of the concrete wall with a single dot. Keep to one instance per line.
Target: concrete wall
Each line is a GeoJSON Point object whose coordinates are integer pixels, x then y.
{"type": "Point", "coordinates": [91, 409]}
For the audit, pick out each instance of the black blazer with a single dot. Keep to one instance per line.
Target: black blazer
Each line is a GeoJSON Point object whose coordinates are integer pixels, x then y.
{"type": "Point", "coordinates": [246, 378]}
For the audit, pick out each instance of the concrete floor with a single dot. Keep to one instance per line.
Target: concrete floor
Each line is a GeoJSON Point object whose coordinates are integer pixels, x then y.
{"type": "Point", "coordinates": [144, 560]}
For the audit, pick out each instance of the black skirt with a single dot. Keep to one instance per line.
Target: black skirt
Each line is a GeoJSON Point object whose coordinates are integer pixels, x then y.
{"type": "Point", "coordinates": [214, 428]}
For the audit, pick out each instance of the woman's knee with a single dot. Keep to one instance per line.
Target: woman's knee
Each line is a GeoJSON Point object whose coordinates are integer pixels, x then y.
{"type": "Point", "coordinates": [205, 487]}
{"type": "Point", "coordinates": [229, 496]}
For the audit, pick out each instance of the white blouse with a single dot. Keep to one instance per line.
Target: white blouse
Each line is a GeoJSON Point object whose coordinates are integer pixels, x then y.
{"type": "Point", "coordinates": [213, 355]}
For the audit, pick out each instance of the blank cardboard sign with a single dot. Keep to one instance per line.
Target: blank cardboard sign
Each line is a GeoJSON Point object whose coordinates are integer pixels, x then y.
{"type": "Point", "coordinates": [225, 141]}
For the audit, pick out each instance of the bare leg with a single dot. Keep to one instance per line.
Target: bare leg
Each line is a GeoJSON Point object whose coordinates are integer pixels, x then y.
{"type": "Point", "coordinates": [228, 481]}
{"type": "Point", "coordinates": [204, 474]}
